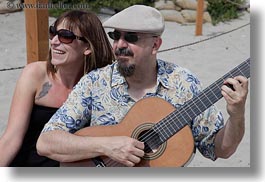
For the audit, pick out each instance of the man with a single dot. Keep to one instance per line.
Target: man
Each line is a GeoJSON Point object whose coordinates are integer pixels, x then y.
{"type": "Point", "coordinates": [104, 96]}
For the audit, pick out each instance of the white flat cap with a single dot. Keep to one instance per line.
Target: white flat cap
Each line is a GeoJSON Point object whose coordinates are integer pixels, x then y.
{"type": "Point", "coordinates": [137, 18]}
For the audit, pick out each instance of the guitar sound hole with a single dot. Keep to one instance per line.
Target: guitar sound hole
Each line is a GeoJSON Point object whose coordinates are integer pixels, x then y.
{"type": "Point", "coordinates": [151, 140]}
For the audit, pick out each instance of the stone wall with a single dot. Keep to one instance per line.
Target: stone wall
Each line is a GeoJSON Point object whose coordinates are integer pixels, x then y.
{"type": "Point", "coordinates": [181, 11]}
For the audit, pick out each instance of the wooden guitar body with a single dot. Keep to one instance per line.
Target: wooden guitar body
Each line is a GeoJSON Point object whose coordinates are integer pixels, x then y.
{"type": "Point", "coordinates": [175, 152]}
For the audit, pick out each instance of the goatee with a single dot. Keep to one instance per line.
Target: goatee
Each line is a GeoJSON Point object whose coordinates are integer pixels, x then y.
{"type": "Point", "coordinates": [126, 70]}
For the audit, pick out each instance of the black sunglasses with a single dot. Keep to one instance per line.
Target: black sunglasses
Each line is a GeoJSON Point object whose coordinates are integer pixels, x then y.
{"type": "Point", "coordinates": [130, 37]}
{"type": "Point", "coordinates": [64, 36]}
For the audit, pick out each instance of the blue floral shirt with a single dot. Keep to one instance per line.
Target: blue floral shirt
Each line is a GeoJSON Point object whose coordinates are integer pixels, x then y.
{"type": "Point", "coordinates": [101, 98]}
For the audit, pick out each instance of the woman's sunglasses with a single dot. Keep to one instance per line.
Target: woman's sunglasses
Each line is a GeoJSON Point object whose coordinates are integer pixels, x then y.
{"type": "Point", "coordinates": [130, 37]}
{"type": "Point", "coordinates": [64, 36]}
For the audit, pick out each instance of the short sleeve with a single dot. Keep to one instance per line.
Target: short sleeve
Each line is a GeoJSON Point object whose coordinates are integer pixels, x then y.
{"type": "Point", "coordinates": [75, 113]}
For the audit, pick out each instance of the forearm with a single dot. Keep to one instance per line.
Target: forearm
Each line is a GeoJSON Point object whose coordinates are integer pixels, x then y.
{"type": "Point", "coordinates": [229, 137]}
{"type": "Point", "coordinates": [8, 151]}
{"type": "Point", "coordinates": [66, 147]}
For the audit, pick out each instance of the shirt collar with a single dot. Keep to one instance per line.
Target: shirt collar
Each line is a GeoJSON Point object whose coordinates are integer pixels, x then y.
{"type": "Point", "coordinates": [162, 74]}
{"type": "Point", "coordinates": [116, 78]}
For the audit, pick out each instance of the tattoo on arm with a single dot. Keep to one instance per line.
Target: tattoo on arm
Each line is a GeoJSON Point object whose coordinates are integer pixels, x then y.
{"type": "Point", "coordinates": [45, 89]}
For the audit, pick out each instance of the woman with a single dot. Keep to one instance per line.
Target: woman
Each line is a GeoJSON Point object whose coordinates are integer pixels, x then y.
{"type": "Point", "coordinates": [78, 45]}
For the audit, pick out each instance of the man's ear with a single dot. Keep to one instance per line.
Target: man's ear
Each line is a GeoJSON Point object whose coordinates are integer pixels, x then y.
{"type": "Point", "coordinates": [87, 52]}
{"type": "Point", "coordinates": [157, 44]}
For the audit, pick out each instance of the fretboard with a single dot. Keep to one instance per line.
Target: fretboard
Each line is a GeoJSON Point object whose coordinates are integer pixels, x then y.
{"type": "Point", "coordinates": [183, 116]}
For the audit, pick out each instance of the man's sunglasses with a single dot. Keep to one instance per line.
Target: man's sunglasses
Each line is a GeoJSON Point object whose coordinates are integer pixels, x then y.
{"type": "Point", "coordinates": [130, 37]}
{"type": "Point", "coordinates": [64, 36]}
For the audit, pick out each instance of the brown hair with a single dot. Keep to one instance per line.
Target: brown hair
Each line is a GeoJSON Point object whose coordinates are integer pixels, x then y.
{"type": "Point", "coordinates": [91, 28]}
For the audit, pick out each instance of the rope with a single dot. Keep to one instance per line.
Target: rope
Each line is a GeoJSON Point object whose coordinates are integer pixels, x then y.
{"type": "Point", "coordinates": [165, 50]}
{"type": "Point", "coordinates": [203, 40]}
{"type": "Point", "coordinates": [16, 68]}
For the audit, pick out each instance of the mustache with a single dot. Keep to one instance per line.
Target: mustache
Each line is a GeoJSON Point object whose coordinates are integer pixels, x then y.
{"type": "Point", "coordinates": [123, 52]}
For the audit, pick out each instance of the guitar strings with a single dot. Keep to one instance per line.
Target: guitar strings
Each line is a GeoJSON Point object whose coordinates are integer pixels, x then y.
{"type": "Point", "coordinates": [184, 108]}
{"type": "Point", "coordinates": [189, 108]}
{"type": "Point", "coordinates": [168, 122]}
{"type": "Point", "coordinates": [149, 137]}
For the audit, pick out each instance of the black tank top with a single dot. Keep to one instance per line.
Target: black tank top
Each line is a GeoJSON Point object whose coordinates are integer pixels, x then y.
{"type": "Point", "coordinates": [27, 155]}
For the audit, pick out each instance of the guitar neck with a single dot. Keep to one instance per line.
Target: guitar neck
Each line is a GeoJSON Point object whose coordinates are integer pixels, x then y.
{"type": "Point", "coordinates": [183, 116]}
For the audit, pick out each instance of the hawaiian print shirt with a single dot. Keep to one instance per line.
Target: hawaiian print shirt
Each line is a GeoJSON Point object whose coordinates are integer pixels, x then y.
{"type": "Point", "coordinates": [101, 98]}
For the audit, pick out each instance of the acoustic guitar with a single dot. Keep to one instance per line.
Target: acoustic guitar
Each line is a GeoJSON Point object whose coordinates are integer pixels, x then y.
{"type": "Point", "coordinates": [164, 129]}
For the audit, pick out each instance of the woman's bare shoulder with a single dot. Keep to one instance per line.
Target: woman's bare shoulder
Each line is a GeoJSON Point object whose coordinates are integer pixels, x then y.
{"type": "Point", "coordinates": [35, 70]}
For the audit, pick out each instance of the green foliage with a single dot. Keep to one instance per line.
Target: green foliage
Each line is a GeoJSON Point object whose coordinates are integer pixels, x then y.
{"type": "Point", "coordinates": [224, 10]}
{"type": "Point", "coordinates": [94, 5]}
